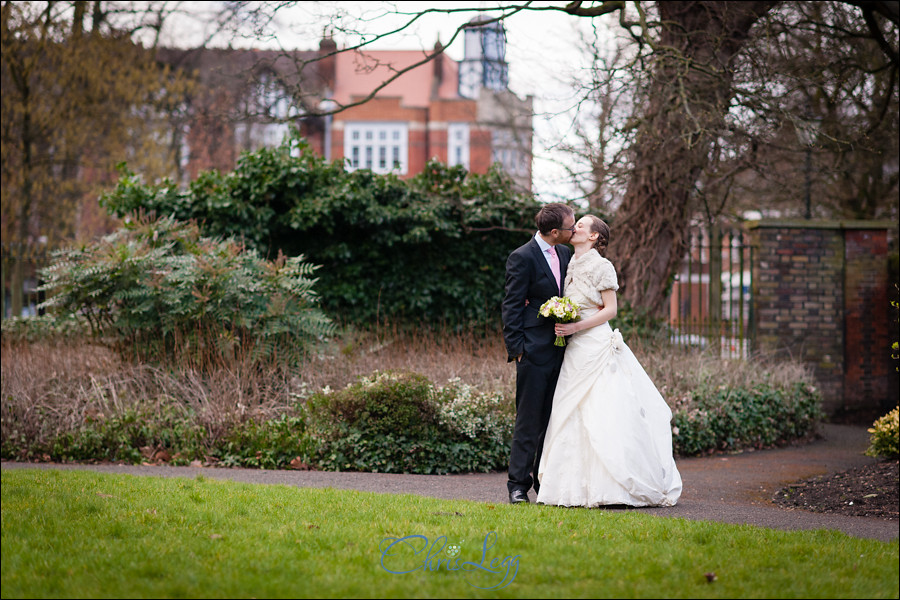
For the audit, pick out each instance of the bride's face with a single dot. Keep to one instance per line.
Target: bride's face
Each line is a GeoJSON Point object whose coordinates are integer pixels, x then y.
{"type": "Point", "coordinates": [582, 231]}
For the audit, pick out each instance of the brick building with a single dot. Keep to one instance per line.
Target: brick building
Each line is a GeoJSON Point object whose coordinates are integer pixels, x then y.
{"type": "Point", "coordinates": [456, 112]}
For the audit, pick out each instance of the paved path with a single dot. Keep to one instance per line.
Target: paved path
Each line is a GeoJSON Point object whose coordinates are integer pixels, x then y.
{"type": "Point", "coordinates": [732, 489]}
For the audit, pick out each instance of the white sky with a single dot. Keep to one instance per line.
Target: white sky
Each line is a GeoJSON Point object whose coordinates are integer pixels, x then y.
{"type": "Point", "coordinates": [542, 52]}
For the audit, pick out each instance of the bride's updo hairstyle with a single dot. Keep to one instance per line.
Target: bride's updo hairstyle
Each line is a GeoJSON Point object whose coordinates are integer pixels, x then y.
{"type": "Point", "coordinates": [599, 226]}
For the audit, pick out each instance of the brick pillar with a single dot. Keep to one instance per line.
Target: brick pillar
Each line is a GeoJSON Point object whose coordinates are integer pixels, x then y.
{"type": "Point", "coordinates": [821, 294]}
{"type": "Point", "coordinates": [868, 316]}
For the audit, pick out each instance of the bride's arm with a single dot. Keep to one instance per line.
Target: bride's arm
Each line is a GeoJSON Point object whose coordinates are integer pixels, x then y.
{"type": "Point", "coordinates": [599, 318]}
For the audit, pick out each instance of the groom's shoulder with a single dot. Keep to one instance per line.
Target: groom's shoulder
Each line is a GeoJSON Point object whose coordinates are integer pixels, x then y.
{"type": "Point", "coordinates": [524, 248]}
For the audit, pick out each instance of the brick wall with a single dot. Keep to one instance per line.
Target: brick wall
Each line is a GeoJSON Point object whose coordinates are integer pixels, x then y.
{"type": "Point", "coordinates": [820, 293]}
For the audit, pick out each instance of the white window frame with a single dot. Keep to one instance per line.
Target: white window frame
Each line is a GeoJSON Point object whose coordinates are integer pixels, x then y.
{"type": "Point", "coordinates": [458, 144]}
{"type": "Point", "coordinates": [505, 151]}
{"type": "Point", "coordinates": [382, 147]}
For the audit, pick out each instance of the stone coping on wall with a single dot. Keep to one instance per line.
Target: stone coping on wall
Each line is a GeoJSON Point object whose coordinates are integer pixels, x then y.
{"type": "Point", "coordinates": [818, 224]}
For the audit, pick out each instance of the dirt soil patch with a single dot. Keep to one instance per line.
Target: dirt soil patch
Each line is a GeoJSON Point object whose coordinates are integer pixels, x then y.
{"type": "Point", "coordinates": [868, 491]}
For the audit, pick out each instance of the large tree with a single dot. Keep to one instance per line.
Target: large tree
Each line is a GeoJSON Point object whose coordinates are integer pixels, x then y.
{"type": "Point", "coordinates": [684, 106]}
{"type": "Point", "coordinates": [78, 97]}
{"type": "Point", "coordinates": [687, 55]}
{"type": "Point", "coordinates": [703, 116]}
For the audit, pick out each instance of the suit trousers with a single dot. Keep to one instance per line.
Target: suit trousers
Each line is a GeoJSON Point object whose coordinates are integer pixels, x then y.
{"type": "Point", "coordinates": [535, 385]}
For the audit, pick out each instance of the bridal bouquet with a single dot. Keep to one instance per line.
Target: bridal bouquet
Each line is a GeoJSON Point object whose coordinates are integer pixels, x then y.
{"type": "Point", "coordinates": [561, 310]}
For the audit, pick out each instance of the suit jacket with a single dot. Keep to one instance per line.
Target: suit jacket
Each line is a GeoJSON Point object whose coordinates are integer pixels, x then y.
{"type": "Point", "coordinates": [528, 277]}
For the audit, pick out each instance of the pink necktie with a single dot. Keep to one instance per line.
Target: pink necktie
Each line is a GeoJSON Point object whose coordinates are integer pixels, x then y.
{"type": "Point", "coordinates": [554, 264]}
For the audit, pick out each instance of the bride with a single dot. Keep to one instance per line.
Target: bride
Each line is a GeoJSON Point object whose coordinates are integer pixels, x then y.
{"type": "Point", "coordinates": [609, 440]}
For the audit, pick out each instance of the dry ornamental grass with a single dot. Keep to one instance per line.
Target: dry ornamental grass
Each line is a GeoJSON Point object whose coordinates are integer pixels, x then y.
{"type": "Point", "coordinates": [49, 388]}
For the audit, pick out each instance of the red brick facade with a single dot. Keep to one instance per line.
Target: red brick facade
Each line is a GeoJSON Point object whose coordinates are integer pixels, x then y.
{"type": "Point", "coordinates": [427, 130]}
{"type": "Point", "coordinates": [425, 100]}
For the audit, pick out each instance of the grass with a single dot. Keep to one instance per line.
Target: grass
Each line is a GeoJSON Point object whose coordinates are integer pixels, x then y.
{"type": "Point", "coordinates": [85, 534]}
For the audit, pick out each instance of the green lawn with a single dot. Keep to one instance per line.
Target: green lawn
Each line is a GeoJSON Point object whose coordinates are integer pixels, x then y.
{"type": "Point", "coordinates": [85, 534]}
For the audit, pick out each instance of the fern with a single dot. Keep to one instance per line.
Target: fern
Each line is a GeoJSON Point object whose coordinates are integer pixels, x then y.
{"type": "Point", "coordinates": [160, 291]}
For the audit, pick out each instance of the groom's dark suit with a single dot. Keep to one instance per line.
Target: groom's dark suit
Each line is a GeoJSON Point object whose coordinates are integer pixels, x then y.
{"type": "Point", "coordinates": [529, 278]}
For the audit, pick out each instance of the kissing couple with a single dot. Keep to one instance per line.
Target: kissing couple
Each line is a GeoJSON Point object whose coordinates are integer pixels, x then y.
{"type": "Point", "coordinates": [591, 427]}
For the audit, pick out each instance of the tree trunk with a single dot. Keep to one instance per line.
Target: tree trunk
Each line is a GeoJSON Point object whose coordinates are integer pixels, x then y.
{"type": "Point", "coordinates": [684, 108]}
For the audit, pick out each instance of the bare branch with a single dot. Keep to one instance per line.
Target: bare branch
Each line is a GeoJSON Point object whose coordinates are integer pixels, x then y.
{"type": "Point", "coordinates": [505, 13]}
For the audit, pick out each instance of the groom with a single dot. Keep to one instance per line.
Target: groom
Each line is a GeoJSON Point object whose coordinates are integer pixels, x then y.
{"type": "Point", "coordinates": [535, 272]}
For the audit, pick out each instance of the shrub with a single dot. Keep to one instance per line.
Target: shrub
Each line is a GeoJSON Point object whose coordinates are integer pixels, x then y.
{"type": "Point", "coordinates": [44, 328]}
{"type": "Point", "coordinates": [81, 401]}
{"type": "Point", "coordinates": [400, 423]}
{"type": "Point", "coordinates": [726, 418]}
{"type": "Point", "coordinates": [269, 444]}
{"type": "Point", "coordinates": [885, 440]}
{"type": "Point", "coordinates": [160, 291]}
{"type": "Point", "coordinates": [429, 249]}
{"type": "Point", "coordinates": [131, 436]}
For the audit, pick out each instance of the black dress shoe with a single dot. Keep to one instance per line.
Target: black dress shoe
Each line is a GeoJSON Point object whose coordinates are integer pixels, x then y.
{"type": "Point", "coordinates": [518, 497]}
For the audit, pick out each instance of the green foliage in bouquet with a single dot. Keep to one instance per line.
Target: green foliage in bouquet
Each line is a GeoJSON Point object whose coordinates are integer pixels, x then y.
{"type": "Point", "coordinates": [885, 439]}
{"type": "Point", "coordinates": [159, 291]}
{"type": "Point", "coordinates": [431, 249]}
{"type": "Point", "coordinates": [401, 423]}
{"type": "Point", "coordinates": [724, 418]}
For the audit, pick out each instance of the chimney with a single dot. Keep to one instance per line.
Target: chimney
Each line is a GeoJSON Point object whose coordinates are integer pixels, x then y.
{"type": "Point", "coordinates": [327, 62]}
{"type": "Point", "coordinates": [438, 68]}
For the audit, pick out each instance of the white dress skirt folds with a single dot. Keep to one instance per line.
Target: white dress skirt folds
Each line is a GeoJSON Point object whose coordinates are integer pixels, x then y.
{"type": "Point", "coordinates": [609, 440]}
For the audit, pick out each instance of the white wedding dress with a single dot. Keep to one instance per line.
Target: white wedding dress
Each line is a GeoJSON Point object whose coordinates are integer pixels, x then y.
{"type": "Point", "coordinates": [609, 440]}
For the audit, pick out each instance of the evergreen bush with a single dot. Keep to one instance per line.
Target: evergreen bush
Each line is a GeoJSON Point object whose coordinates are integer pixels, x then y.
{"type": "Point", "coordinates": [724, 418]}
{"type": "Point", "coordinates": [431, 249]}
{"type": "Point", "coordinates": [885, 439]}
{"type": "Point", "coordinates": [401, 423]}
{"type": "Point", "coordinates": [159, 291]}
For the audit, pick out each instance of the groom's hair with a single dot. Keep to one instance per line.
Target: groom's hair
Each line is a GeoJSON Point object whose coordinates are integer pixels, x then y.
{"type": "Point", "coordinates": [551, 216]}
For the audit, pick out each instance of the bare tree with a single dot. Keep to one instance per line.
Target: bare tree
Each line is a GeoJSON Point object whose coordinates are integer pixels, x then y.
{"type": "Point", "coordinates": [78, 96]}
{"type": "Point", "coordinates": [815, 117]}
{"type": "Point", "coordinates": [681, 110]}
{"type": "Point", "coordinates": [679, 133]}
{"type": "Point", "coordinates": [594, 148]}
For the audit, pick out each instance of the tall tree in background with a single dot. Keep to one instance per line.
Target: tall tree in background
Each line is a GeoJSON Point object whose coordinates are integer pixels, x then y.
{"type": "Point", "coordinates": [714, 89]}
{"type": "Point", "coordinates": [681, 110]}
{"type": "Point", "coordinates": [595, 146]}
{"type": "Point", "coordinates": [816, 113]}
{"type": "Point", "coordinates": [78, 97]}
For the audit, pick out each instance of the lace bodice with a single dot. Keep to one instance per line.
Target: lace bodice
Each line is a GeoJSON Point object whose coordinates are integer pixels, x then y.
{"type": "Point", "coordinates": [587, 276]}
